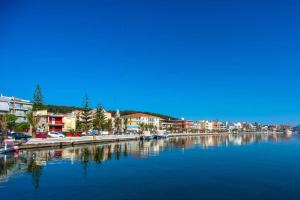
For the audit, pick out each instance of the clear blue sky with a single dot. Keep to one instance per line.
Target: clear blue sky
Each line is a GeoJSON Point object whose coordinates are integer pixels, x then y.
{"type": "Point", "coordinates": [226, 60]}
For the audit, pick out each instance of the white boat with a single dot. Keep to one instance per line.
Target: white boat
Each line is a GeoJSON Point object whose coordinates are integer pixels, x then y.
{"type": "Point", "coordinates": [288, 132]}
{"type": "Point", "coordinates": [146, 136]}
{"type": "Point", "coordinates": [160, 135]}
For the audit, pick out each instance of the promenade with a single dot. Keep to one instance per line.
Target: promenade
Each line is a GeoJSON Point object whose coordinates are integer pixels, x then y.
{"type": "Point", "coordinates": [69, 141]}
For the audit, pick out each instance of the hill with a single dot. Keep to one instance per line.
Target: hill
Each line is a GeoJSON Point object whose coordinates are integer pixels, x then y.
{"type": "Point", "coordinates": [61, 109]}
{"type": "Point", "coordinates": [128, 112]}
{"type": "Point", "coordinates": [68, 109]}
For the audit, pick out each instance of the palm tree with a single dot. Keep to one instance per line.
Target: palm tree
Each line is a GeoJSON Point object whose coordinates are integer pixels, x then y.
{"type": "Point", "coordinates": [4, 124]}
{"type": "Point", "coordinates": [33, 121]}
{"type": "Point", "coordinates": [142, 126]}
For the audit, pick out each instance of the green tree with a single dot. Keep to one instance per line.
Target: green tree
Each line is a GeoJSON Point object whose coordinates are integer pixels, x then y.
{"type": "Point", "coordinates": [23, 126]}
{"type": "Point", "coordinates": [78, 125]}
{"type": "Point", "coordinates": [109, 125]}
{"type": "Point", "coordinates": [125, 124]}
{"type": "Point", "coordinates": [33, 121]}
{"type": "Point", "coordinates": [86, 115]}
{"type": "Point", "coordinates": [142, 127]}
{"type": "Point", "coordinates": [11, 121]}
{"type": "Point", "coordinates": [99, 121]}
{"type": "Point", "coordinates": [38, 103]}
{"type": "Point", "coordinates": [3, 125]}
{"type": "Point", "coordinates": [118, 123]}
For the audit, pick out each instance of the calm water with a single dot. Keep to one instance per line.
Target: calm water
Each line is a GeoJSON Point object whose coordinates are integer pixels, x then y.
{"type": "Point", "coordinates": [251, 166]}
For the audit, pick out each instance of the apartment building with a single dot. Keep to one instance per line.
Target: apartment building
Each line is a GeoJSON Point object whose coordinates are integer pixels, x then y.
{"type": "Point", "coordinates": [136, 119]}
{"type": "Point", "coordinates": [16, 106]}
{"type": "Point", "coordinates": [51, 122]}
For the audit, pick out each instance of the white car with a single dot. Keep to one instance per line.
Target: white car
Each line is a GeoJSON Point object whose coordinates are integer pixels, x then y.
{"type": "Point", "coordinates": [104, 132]}
{"type": "Point", "coordinates": [56, 135]}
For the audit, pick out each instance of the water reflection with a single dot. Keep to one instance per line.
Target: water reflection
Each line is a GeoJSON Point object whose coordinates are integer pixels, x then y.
{"type": "Point", "coordinates": [33, 161]}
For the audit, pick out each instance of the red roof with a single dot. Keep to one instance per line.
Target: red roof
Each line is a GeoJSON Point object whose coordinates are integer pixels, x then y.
{"type": "Point", "coordinates": [139, 115]}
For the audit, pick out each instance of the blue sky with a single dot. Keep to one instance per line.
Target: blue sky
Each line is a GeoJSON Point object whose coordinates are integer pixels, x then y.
{"type": "Point", "coordinates": [226, 60]}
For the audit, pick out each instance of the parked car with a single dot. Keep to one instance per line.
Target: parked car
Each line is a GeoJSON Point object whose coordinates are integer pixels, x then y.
{"type": "Point", "coordinates": [92, 132]}
{"type": "Point", "coordinates": [42, 135]}
{"type": "Point", "coordinates": [56, 135]}
{"type": "Point", "coordinates": [19, 136]}
{"type": "Point", "coordinates": [104, 133]}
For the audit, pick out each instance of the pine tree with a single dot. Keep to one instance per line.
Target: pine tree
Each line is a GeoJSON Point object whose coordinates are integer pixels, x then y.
{"type": "Point", "coordinates": [118, 124]}
{"type": "Point", "coordinates": [86, 115]}
{"type": "Point", "coordinates": [125, 124]}
{"type": "Point", "coordinates": [38, 103]}
{"type": "Point", "coordinates": [99, 121]}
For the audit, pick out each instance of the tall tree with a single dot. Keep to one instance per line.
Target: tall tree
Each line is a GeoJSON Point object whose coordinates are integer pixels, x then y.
{"type": "Point", "coordinates": [99, 121]}
{"type": "Point", "coordinates": [86, 115]}
{"type": "Point", "coordinates": [118, 123]}
{"type": "Point", "coordinates": [3, 125]}
{"type": "Point", "coordinates": [38, 103]}
{"type": "Point", "coordinates": [142, 127]}
{"type": "Point", "coordinates": [33, 121]}
{"type": "Point", "coordinates": [109, 125]}
{"type": "Point", "coordinates": [12, 121]}
{"type": "Point", "coordinates": [125, 124]}
{"type": "Point", "coordinates": [78, 125]}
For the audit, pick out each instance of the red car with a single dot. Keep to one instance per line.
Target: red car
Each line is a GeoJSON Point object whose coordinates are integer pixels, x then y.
{"type": "Point", "coordinates": [42, 135]}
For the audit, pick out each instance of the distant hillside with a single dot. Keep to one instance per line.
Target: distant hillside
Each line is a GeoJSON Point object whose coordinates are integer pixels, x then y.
{"type": "Point", "coordinates": [61, 109]}
{"type": "Point", "coordinates": [68, 109]}
{"type": "Point", "coordinates": [128, 112]}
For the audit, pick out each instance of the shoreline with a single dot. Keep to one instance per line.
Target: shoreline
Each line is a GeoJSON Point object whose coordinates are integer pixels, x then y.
{"type": "Point", "coordinates": [36, 143]}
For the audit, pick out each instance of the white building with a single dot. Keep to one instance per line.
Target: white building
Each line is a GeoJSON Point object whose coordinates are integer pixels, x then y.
{"type": "Point", "coordinates": [16, 106]}
{"type": "Point", "coordinates": [136, 119]}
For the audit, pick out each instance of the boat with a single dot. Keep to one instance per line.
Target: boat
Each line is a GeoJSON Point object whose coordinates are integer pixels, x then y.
{"type": "Point", "coordinates": [157, 136]}
{"type": "Point", "coordinates": [288, 132]}
{"type": "Point", "coordinates": [146, 136]}
{"type": "Point", "coordinates": [7, 146]}
{"type": "Point", "coordinates": [160, 135]}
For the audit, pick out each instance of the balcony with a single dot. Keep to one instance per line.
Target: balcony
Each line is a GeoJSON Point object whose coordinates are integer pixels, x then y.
{"type": "Point", "coordinates": [55, 124]}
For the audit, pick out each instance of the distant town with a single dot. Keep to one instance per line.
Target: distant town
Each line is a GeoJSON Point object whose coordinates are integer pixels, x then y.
{"type": "Point", "coordinates": [35, 117]}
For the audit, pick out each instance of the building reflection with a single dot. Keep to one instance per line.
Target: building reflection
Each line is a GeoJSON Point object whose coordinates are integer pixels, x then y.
{"type": "Point", "coordinates": [33, 161]}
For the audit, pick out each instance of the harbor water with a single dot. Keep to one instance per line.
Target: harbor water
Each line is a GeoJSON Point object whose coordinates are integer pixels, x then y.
{"type": "Point", "coordinates": [245, 166]}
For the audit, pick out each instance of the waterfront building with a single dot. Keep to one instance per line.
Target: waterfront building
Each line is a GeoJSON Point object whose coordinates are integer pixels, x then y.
{"type": "Point", "coordinates": [136, 119]}
{"type": "Point", "coordinates": [4, 105]}
{"type": "Point", "coordinates": [69, 121]}
{"type": "Point", "coordinates": [273, 128]}
{"type": "Point", "coordinates": [52, 122]}
{"type": "Point", "coordinates": [15, 106]}
{"type": "Point", "coordinates": [212, 126]}
{"type": "Point", "coordinates": [285, 127]}
{"type": "Point", "coordinates": [234, 126]}
{"type": "Point", "coordinates": [179, 125]}
{"type": "Point", "coordinates": [166, 125]}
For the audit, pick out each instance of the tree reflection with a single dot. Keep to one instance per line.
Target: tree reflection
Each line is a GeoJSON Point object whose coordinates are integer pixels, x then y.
{"type": "Point", "coordinates": [125, 153]}
{"type": "Point", "coordinates": [109, 153]}
{"type": "Point", "coordinates": [99, 155]}
{"type": "Point", "coordinates": [105, 152]}
{"type": "Point", "coordinates": [36, 172]}
{"type": "Point", "coordinates": [85, 156]}
{"type": "Point", "coordinates": [118, 152]}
